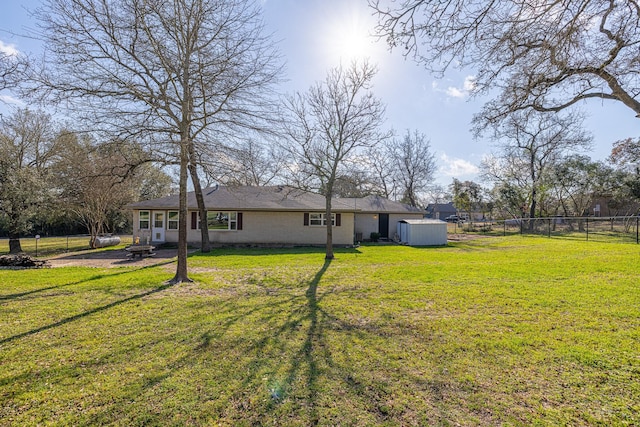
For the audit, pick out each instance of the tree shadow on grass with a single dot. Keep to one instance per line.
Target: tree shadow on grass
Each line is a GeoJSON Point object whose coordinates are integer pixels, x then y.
{"type": "Point", "coordinates": [85, 313]}
{"type": "Point", "coordinates": [64, 285]}
{"type": "Point", "coordinates": [272, 351]}
{"type": "Point", "coordinates": [292, 359]}
{"type": "Point", "coordinates": [283, 371]}
{"type": "Point", "coordinates": [307, 355]}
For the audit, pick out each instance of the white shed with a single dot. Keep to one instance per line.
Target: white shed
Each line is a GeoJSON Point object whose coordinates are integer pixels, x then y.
{"type": "Point", "coordinates": [422, 232]}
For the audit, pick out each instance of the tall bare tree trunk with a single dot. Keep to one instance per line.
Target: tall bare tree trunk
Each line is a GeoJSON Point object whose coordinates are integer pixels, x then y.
{"type": "Point", "coordinates": [329, 249]}
{"type": "Point", "coordinates": [205, 245]}
{"type": "Point", "coordinates": [181, 266]}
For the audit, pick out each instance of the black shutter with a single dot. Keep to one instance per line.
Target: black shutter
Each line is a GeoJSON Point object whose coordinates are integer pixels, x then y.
{"type": "Point", "coordinates": [239, 225]}
{"type": "Point", "coordinates": [194, 220]}
{"type": "Point", "coordinates": [306, 218]}
{"type": "Point", "coordinates": [338, 220]}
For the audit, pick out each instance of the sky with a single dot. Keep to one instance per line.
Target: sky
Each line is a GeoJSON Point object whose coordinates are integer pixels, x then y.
{"type": "Point", "coordinates": [316, 35]}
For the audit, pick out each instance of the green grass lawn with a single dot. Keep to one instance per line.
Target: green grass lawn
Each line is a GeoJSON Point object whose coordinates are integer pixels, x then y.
{"type": "Point", "coordinates": [497, 331]}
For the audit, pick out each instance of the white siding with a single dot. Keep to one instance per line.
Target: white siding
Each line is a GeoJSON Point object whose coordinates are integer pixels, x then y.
{"type": "Point", "coordinates": [267, 228]}
{"type": "Point", "coordinates": [367, 223]}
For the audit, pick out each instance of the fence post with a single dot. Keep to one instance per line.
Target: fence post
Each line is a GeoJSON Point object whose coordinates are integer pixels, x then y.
{"type": "Point", "coordinates": [549, 228]}
{"type": "Point", "coordinates": [587, 229]}
{"type": "Point", "coordinates": [637, 230]}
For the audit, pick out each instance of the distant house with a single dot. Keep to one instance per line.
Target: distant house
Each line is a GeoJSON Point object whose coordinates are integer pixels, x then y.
{"type": "Point", "coordinates": [246, 215]}
{"type": "Point", "coordinates": [440, 210]}
{"type": "Point", "coordinates": [273, 215]}
{"type": "Point", "coordinates": [606, 206]}
{"type": "Point", "coordinates": [375, 214]}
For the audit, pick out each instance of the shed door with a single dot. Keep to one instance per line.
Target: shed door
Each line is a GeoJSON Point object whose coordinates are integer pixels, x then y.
{"type": "Point", "coordinates": [383, 225]}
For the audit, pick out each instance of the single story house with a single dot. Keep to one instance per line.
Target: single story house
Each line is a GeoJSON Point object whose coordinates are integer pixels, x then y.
{"type": "Point", "coordinates": [271, 215]}
{"type": "Point", "coordinates": [375, 214]}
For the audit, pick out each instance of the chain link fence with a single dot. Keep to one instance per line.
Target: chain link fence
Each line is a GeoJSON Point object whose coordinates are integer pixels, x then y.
{"type": "Point", "coordinates": [624, 229]}
{"type": "Point", "coordinates": [49, 246]}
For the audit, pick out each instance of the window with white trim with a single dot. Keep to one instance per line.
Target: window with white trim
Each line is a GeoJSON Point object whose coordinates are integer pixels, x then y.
{"type": "Point", "coordinates": [144, 220]}
{"type": "Point", "coordinates": [320, 219]}
{"type": "Point", "coordinates": [172, 220]}
{"type": "Point", "coordinates": [222, 220]}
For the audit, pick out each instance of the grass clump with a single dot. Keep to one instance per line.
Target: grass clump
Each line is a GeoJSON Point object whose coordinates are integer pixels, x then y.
{"type": "Point", "coordinates": [500, 331]}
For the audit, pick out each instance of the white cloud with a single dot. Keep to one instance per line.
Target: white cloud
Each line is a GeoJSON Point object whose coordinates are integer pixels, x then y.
{"type": "Point", "coordinates": [455, 167]}
{"type": "Point", "coordinates": [8, 49]}
{"type": "Point", "coordinates": [455, 92]}
{"type": "Point", "coordinates": [468, 86]}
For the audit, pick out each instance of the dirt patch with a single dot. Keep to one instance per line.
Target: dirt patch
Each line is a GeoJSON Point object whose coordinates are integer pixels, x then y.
{"type": "Point", "coordinates": [111, 258]}
{"type": "Point", "coordinates": [464, 237]}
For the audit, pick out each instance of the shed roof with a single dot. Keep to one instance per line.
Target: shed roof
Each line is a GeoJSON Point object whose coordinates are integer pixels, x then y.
{"type": "Point", "coordinates": [269, 198]}
{"type": "Point", "coordinates": [423, 221]}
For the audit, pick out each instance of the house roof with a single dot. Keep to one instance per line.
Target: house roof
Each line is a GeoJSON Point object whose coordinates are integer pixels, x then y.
{"type": "Point", "coordinates": [377, 204]}
{"type": "Point", "coordinates": [440, 206]}
{"type": "Point", "coordinates": [270, 198]}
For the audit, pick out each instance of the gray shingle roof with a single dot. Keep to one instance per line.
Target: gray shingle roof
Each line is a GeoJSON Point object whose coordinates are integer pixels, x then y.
{"type": "Point", "coordinates": [272, 198]}
{"type": "Point", "coordinates": [377, 204]}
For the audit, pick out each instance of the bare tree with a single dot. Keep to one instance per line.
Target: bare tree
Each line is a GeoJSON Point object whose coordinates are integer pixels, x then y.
{"type": "Point", "coordinates": [246, 163]}
{"type": "Point", "coordinates": [530, 143]}
{"type": "Point", "coordinates": [27, 145]}
{"type": "Point", "coordinates": [413, 165]}
{"type": "Point", "coordinates": [13, 66]}
{"type": "Point", "coordinates": [544, 55]}
{"type": "Point", "coordinates": [174, 73]}
{"type": "Point", "coordinates": [328, 126]}
{"type": "Point", "coordinates": [438, 194]}
{"type": "Point", "coordinates": [380, 165]}
{"type": "Point", "coordinates": [355, 182]}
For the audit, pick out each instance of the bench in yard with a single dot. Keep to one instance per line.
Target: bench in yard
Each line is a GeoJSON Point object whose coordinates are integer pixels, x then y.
{"type": "Point", "coordinates": [140, 250]}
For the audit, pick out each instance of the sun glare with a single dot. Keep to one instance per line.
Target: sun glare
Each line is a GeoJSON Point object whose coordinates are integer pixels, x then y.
{"type": "Point", "coordinates": [355, 44]}
{"type": "Point", "coordinates": [348, 37]}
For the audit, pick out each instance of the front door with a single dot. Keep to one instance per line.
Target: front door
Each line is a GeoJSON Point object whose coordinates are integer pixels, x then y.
{"type": "Point", "coordinates": [157, 232]}
{"type": "Point", "coordinates": [383, 226]}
